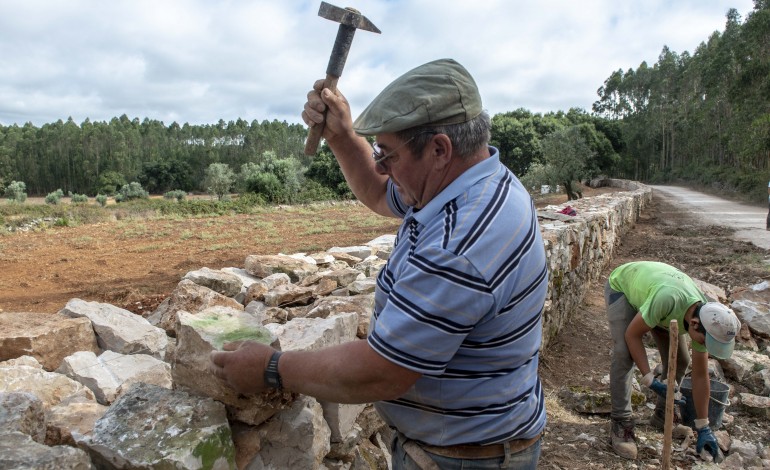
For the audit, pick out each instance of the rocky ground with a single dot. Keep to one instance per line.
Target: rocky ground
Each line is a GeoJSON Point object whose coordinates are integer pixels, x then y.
{"type": "Point", "coordinates": [580, 357]}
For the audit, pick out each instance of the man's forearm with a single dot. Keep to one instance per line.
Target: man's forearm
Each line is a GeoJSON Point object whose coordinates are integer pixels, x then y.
{"type": "Point", "coordinates": [348, 373]}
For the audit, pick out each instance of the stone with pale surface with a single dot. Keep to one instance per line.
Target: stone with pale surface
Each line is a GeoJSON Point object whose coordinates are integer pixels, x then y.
{"type": "Point", "coordinates": [48, 337]}
{"type": "Point", "coordinates": [186, 432]}
{"type": "Point", "coordinates": [118, 329]}
{"type": "Point", "coordinates": [221, 282]}
{"type": "Point", "coordinates": [51, 388]}
{"type": "Point", "coordinates": [110, 373]}
{"type": "Point", "coordinates": [68, 423]}
{"type": "Point", "coordinates": [191, 298]}
{"type": "Point", "coordinates": [22, 412]}
{"type": "Point", "coordinates": [18, 450]}
{"type": "Point", "coordinates": [197, 336]}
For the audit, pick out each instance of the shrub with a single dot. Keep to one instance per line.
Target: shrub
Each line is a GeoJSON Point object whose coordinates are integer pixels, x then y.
{"type": "Point", "coordinates": [177, 194]}
{"type": "Point", "coordinates": [78, 198]}
{"type": "Point", "coordinates": [16, 191]}
{"type": "Point", "coordinates": [54, 198]}
{"type": "Point", "coordinates": [131, 191]}
{"type": "Point", "coordinates": [101, 199]}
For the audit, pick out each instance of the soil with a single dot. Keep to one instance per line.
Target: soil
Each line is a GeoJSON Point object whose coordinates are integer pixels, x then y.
{"type": "Point", "coordinates": [135, 264]}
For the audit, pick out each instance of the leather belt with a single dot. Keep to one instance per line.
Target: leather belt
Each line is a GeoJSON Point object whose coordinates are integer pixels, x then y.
{"type": "Point", "coordinates": [471, 452]}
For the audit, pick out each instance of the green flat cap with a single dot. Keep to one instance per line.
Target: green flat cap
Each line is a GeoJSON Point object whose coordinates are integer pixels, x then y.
{"type": "Point", "coordinates": [439, 92]}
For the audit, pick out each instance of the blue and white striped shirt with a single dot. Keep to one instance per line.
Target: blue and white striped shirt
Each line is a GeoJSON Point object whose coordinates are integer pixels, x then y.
{"type": "Point", "coordinates": [460, 301]}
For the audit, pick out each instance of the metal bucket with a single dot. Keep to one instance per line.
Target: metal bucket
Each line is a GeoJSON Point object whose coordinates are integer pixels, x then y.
{"type": "Point", "coordinates": [719, 400]}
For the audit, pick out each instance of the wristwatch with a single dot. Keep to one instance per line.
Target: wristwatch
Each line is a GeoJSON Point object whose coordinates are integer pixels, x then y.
{"type": "Point", "coordinates": [272, 377]}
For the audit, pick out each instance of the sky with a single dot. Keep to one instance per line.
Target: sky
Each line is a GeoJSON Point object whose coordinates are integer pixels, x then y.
{"type": "Point", "coordinates": [199, 61]}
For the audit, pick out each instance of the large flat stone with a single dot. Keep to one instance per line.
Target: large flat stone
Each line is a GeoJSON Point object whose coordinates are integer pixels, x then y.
{"type": "Point", "coordinates": [47, 337]}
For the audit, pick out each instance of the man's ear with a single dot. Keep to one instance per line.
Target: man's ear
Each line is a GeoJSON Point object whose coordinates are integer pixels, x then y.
{"type": "Point", "coordinates": [441, 150]}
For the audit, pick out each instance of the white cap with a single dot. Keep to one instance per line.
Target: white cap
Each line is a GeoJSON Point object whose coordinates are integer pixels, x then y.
{"type": "Point", "coordinates": [721, 326]}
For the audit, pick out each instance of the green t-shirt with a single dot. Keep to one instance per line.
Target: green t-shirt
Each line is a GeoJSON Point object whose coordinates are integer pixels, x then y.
{"type": "Point", "coordinates": [659, 292]}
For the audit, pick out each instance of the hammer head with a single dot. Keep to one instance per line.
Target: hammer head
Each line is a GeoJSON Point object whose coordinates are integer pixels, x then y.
{"type": "Point", "coordinates": [346, 16]}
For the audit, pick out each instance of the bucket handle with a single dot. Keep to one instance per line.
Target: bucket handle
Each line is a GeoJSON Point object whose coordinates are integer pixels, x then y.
{"type": "Point", "coordinates": [723, 404]}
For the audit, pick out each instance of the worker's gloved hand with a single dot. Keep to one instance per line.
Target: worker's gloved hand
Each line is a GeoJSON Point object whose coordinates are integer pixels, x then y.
{"type": "Point", "coordinates": [660, 388]}
{"type": "Point", "coordinates": [706, 440]}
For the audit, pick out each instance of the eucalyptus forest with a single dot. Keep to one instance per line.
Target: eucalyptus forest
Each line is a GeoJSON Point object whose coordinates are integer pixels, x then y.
{"type": "Point", "coordinates": [700, 117]}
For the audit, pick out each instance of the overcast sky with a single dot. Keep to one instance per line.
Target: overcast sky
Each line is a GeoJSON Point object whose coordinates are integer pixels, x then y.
{"type": "Point", "coordinates": [198, 61]}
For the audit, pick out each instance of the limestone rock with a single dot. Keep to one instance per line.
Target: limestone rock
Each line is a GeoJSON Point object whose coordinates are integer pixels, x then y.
{"type": "Point", "coordinates": [265, 265]}
{"type": "Point", "coordinates": [340, 418]}
{"type": "Point", "coordinates": [187, 432]}
{"type": "Point", "coordinates": [363, 286]}
{"type": "Point", "coordinates": [191, 298]}
{"type": "Point", "coordinates": [360, 252]}
{"type": "Point", "coordinates": [309, 334]}
{"type": "Point", "coordinates": [322, 259]}
{"type": "Point", "coordinates": [22, 412]}
{"type": "Point", "coordinates": [207, 331]}
{"type": "Point", "coordinates": [752, 306]}
{"type": "Point", "coordinates": [350, 260]}
{"type": "Point", "coordinates": [296, 438]}
{"type": "Point", "coordinates": [290, 294]}
{"type": "Point", "coordinates": [743, 364]}
{"type": "Point", "coordinates": [28, 361]}
{"type": "Point", "coordinates": [756, 405]}
{"type": "Point", "coordinates": [110, 373]}
{"type": "Point", "coordinates": [221, 282]}
{"type": "Point", "coordinates": [49, 338]}
{"type": "Point", "coordinates": [18, 450]}
{"type": "Point", "coordinates": [51, 388]}
{"type": "Point", "coordinates": [66, 424]}
{"type": "Point", "coordinates": [119, 330]}
{"type": "Point", "coordinates": [257, 291]}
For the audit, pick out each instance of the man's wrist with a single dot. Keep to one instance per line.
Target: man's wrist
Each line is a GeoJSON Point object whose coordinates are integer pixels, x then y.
{"type": "Point", "coordinates": [701, 423]}
{"type": "Point", "coordinates": [271, 375]}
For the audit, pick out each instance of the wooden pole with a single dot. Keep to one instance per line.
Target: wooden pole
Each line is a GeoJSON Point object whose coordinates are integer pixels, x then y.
{"type": "Point", "coordinates": [668, 428]}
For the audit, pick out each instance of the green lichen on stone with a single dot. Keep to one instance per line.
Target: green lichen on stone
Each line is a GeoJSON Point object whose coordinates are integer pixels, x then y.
{"type": "Point", "coordinates": [221, 329]}
{"type": "Point", "coordinates": [260, 335]}
{"type": "Point", "coordinates": [217, 447]}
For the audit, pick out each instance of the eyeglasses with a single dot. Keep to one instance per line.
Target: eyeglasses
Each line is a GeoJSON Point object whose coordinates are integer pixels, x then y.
{"type": "Point", "coordinates": [379, 156]}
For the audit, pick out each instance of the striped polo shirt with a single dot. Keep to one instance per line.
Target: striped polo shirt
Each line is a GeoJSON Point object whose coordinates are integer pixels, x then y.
{"type": "Point", "coordinates": [460, 301]}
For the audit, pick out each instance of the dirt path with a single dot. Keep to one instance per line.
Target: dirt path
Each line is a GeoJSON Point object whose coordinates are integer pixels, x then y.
{"type": "Point", "coordinates": [580, 356]}
{"type": "Point", "coordinates": [748, 221]}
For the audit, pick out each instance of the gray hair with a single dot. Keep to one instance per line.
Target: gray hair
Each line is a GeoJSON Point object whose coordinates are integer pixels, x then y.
{"type": "Point", "coordinates": [466, 137]}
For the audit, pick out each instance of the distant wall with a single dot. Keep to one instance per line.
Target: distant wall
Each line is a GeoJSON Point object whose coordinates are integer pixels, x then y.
{"type": "Point", "coordinates": [579, 247]}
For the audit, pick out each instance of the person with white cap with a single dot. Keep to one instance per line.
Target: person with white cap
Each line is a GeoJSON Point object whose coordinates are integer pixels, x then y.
{"type": "Point", "coordinates": [451, 358]}
{"type": "Point", "coordinates": [644, 296]}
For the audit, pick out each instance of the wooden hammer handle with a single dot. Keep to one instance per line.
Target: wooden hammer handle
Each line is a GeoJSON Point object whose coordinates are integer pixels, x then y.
{"type": "Point", "coordinates": [668, 427]}
{"type": "Point", "coordinates": [316, 132]}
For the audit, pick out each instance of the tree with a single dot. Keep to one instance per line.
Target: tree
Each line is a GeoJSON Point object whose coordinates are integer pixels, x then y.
{"type": "Point", "coordinates": [218, 180]}
{"type": "Point", "coordinates": [566, 156]}
{"type": "Point", "coordinates": [16, 191]}
{"type": "Point", "coordinates": [325, 170]}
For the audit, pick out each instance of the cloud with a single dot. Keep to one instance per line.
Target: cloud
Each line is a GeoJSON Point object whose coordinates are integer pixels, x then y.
{"type": "Point", "coordinates": [199, 61]}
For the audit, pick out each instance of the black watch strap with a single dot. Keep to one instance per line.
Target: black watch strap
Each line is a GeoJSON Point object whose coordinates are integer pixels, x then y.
{"type": "Point", "coordinates": [272, 377]}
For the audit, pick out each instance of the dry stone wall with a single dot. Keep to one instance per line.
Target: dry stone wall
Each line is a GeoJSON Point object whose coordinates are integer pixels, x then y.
{"type": "Point", "coordinates": [579, 247]}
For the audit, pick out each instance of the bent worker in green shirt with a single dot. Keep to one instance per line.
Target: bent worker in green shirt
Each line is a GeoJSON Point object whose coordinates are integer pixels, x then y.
{"type": "Point", "coordinates": [644, 296]}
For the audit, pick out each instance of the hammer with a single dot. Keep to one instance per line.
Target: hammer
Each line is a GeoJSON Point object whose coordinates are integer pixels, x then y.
{"type": "Point", "coordinates": [350, 20]}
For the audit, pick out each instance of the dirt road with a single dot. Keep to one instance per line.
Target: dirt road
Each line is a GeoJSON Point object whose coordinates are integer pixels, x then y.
{"type": "Point", "coordinates": [748, 221]}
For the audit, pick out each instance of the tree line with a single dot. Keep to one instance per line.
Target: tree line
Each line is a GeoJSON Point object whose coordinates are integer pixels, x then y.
{"type": "Point", "coordinates": [703, 116]}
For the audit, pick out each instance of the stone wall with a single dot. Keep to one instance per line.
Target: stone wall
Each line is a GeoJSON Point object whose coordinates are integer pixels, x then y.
{"type": "Point", "coordinates": [580, 247]}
